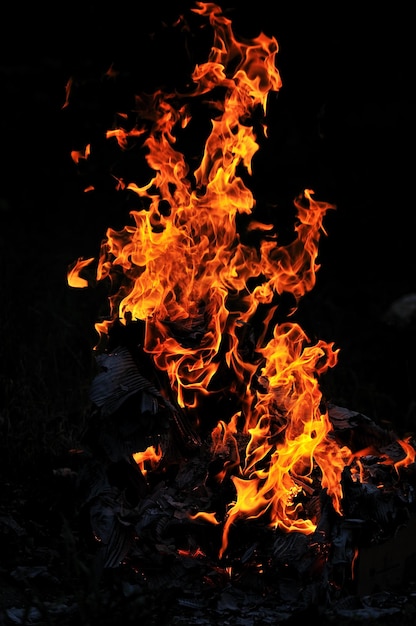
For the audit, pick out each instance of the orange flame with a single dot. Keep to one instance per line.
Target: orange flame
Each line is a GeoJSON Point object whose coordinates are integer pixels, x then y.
{"type": "Point", "coordinates": [186, 268]}
{"type": "Point", "coordinates": [74, 278]}
{"type": "Point", "coordinates": [410, 454]}
{"type": "Point", "coordinates": [147, 459]}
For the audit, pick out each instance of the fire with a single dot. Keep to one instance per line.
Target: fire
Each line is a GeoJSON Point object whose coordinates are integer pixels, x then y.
{"type": "Point", "coordinates": [190, 277]}
{"type": "Point", "coordinates": [74, 278]}
{"type": "Point", "coordinates": [410, 454]}
{"type": "Point", "coordinates": [148, 459]}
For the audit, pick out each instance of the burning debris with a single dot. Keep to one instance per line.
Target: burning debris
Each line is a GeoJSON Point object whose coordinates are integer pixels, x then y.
{"type": "Point", "coordinates": [212, 455]}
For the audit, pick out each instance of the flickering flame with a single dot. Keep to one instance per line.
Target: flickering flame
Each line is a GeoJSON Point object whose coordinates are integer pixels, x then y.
{"type": "Point", "coordinates": [410, 454]}
{"type": "Point", "coordinates": [189, 276]}
{"type": "Point", "coordinates": [74, 274]}
{"type": "Point", "coordinates": [148, 459]}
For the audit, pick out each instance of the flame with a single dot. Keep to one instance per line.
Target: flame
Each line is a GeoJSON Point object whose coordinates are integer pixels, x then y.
{"type": "Point", "coordinates": [74, 278]}
{"type": "Point", "coordinates": [190, 276]}
{"type": "Point", "coordinates": [148, 459]}
{"type": "Point", "coordinates": [80, 155]}
{"type": "Point", "coordinates": [410, 453]}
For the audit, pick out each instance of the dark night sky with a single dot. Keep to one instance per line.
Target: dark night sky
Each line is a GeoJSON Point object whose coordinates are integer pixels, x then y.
{"type": "Point", "coordinates": [342, 125]}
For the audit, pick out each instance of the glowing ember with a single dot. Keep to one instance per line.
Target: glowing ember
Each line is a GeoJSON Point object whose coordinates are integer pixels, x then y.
{"type": "Point", "coordinates": [190, 278]}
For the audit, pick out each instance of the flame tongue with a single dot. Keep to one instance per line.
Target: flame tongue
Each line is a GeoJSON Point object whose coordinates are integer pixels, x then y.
{"type": "Point", "coordinates": [190, 278]}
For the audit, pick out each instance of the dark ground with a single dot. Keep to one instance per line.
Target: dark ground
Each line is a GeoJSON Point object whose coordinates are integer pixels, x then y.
{"type": "Point", "coordinates": [343, 125]}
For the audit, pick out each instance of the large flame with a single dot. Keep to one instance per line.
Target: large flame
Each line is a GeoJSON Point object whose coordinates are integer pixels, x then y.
{"type": "Point", "coordinates": [189, 276]}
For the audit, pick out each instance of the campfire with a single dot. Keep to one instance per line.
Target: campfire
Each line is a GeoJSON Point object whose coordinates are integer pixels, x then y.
{"type": "Point", "coordinates": [212, 454]}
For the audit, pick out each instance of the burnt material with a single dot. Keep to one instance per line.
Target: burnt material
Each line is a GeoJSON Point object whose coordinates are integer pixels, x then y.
{"type": "Point", "coordinates": [142, 521]}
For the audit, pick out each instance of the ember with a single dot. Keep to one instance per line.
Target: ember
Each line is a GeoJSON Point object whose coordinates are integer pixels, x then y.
{"type": "Point", "coordinates": [207, 407]}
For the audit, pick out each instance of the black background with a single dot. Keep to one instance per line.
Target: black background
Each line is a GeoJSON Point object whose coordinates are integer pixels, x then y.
{"type": "Point", "coordinates": [342, 125]}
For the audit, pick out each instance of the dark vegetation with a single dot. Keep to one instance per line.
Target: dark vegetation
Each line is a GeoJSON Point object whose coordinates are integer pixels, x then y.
{"type": "Point", "coordinates": [343, 125]}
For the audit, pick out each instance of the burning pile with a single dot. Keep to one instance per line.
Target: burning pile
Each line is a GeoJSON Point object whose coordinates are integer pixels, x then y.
{"type": "Point", "coordinates": [208, 407]}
